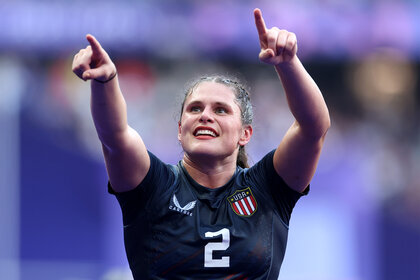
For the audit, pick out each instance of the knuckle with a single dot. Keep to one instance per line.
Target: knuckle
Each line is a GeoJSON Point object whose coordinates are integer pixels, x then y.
{"type": "Point", "coordinates": [273, 31]}
{"type": "Point", "coordinates": [283, 34]}
{"type": "Point", "coordinates": [271, 37]}
{"type": "Point", "coordinates": [291, 40]}
{"type": "Point", "coordinates": [281, 44]}
{"type": "Point", "coordinates": [290, 44]}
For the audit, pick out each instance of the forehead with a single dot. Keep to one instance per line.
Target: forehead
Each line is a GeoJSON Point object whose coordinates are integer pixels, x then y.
{"type": "Point", "coordinates": [212, 92]}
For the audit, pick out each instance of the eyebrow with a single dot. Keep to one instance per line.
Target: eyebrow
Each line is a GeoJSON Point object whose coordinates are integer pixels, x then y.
{"type": "Point", "coordinates": [198, 102]}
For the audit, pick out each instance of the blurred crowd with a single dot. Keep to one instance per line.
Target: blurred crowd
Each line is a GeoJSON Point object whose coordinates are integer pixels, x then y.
{"type": "Point", "coordinates": [362, 215]}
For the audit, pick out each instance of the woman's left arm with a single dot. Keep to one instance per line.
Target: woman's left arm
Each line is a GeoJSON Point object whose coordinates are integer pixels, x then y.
{"type": "Point", "coordinates": [297, 155]}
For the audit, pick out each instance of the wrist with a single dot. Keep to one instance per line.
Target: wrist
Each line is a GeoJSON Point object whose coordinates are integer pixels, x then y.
{"type": "Point", "coordinates": [287, 65]}
{"type": "Point", "coordinates": [109, 79]}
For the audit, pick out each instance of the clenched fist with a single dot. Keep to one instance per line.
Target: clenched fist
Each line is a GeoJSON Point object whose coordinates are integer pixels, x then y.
{"type": "Point", "coordinates": [277, 46]}
{"type": "Point", "coordinates": [93, 62]}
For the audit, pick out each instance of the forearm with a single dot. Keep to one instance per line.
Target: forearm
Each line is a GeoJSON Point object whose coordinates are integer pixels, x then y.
{"type": "Point", "coordinates": [109, 111]}
{"type": "Point", "coordinates": [304, 98]}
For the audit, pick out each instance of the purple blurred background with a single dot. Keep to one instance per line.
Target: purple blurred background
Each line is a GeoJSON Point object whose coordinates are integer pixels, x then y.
{"type": "Point", "coordinates": [361, 220]}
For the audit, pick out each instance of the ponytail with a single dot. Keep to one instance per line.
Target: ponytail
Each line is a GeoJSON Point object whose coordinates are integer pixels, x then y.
{"type": "Point", "coordinates": [242, 159]}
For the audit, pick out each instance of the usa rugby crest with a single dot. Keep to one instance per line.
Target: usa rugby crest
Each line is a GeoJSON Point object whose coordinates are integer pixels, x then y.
{"type": "Point", "coordinates": [243, 202]}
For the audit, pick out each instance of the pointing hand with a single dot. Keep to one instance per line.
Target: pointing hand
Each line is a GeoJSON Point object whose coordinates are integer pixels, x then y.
{"type": "Point", "coordinates": [277, 46]}
{"type": "Point", "coordinates": [93, 62]}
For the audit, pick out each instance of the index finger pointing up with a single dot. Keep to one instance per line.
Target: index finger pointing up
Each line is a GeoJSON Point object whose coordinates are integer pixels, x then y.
{"type": "Point", "coordinates": [96, 47]}
{"type": "Point", "coordinates": [259, 22]}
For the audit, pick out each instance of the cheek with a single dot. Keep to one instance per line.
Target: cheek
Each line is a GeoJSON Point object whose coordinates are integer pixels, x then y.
{"type": "Point", "coordinates": [236, 126]}
{"type": "Point", "coordinates": [184, 123]}
{"type": "Point", "coordinates": [183, 127]}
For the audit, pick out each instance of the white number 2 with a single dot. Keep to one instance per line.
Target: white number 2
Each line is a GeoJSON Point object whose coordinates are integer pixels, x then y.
{"type": "Point", "coordinates": [217, 246]}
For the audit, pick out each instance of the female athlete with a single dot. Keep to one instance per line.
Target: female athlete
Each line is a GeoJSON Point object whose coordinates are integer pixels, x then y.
{"type": "Point", "coordinates": [210, 216]}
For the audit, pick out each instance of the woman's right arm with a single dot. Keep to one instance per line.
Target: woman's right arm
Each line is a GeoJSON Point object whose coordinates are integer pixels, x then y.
{"type": "Point", "coordinates": [126, 157]}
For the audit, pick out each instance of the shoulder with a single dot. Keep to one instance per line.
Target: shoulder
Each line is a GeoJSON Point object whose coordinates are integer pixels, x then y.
{"type": "Point", "coordinates": [264, 167]}
{"type": "Point", "coordinates": [160, 170]}
{"type": "Point", "coordinates": [264, 175]}
{"type": "Point", "coordinates": [160, 174]}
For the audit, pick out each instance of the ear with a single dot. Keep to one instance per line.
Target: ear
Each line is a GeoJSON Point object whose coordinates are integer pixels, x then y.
{"type": "Point", "coordinates": [179, 131]}
{"type": "Point", "coordinates": [246, 135]}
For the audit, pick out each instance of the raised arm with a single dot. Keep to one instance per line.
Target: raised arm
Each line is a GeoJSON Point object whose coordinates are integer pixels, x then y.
{"type": "Point", "coordinates": [125, 154]}
{"type": "Point", "coordinates": [297, 155]}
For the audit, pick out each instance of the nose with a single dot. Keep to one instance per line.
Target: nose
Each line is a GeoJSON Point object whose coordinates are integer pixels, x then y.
{"type": "Point", "coordinates": [206, 115]}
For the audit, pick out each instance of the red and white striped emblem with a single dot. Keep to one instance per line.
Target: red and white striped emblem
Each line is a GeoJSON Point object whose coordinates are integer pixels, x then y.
{"type": "Point", "coordinates": [243, 202]}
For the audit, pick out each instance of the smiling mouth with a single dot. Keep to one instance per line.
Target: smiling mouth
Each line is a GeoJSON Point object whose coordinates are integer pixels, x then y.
{"type": "Point", "coordinates": [205, 132]}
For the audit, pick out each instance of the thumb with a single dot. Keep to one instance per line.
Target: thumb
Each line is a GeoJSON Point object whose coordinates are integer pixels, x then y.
{"type": "Point", "coordinates": [93, 73]}
{"type": "Point", "coordinates": [266, 54]}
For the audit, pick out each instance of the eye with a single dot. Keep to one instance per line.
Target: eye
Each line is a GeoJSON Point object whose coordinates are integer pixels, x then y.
{"type": "Point", "coordinates": [220, 110]}
{"type": "Point", "coordinates": [195, 109]}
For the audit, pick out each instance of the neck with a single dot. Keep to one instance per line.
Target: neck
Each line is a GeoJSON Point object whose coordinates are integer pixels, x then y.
{"type": "Point", "coordinates": [210, 174]}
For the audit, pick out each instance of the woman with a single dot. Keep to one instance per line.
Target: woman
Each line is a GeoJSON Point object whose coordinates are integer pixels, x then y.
{"type": "Point", "coordinates": [209, 217]}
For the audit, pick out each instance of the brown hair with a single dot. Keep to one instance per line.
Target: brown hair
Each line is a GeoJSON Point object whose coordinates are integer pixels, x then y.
{"type": "Point", "coordinates": [242, 99]}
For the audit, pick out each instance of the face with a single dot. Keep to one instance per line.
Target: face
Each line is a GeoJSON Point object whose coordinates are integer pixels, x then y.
{"type": "Point", "coordinates": [211, 123]}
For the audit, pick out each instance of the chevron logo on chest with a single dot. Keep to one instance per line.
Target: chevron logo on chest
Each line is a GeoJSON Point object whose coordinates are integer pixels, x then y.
{"type": "Point", "coordinates": [182, 209]}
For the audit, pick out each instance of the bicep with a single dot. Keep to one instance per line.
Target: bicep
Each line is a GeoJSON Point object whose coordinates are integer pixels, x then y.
{"type": "Point", "coordinates": [296, 158]}
{"type": "Point", "coordinates": [127, 162]}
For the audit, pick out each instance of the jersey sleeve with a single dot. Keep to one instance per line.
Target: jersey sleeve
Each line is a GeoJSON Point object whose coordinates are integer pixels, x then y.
{"type": "Point", "coordinates": [158, 179]}
{"type": "Point", "coordinates": [265, 177]}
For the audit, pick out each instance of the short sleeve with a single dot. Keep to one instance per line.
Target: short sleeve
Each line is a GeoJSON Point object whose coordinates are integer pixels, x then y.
{"type": "Point", "coordinates": [269, 182]}
{"type": "Point", "coordinates": [159, 178]}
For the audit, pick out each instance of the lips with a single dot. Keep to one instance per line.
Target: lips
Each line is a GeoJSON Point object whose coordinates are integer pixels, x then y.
{"type": "Point", "coordinates": [205, 131]}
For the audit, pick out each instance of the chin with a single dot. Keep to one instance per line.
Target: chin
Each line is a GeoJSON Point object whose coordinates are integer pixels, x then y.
{"type": "Point", "coordinates": [204, 151]}
{"type": "Point", "coordinates": [208, 151]}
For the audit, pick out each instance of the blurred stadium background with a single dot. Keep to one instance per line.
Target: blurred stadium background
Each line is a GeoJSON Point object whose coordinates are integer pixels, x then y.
{"type": "Point", "coordinates": [361, 220]}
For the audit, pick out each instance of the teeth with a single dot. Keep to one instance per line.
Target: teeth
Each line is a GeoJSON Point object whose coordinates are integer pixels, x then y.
{"type": "Point", "coordinates": [205, 132]}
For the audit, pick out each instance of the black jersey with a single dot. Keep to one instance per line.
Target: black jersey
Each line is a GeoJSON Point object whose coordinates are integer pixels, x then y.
{"type": "Point", "coordinates": [175, 228]}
